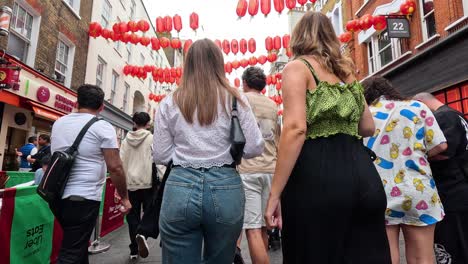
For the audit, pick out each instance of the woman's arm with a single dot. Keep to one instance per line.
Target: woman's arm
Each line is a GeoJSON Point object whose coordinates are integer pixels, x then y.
{"type": "Point", "coordinates": [366, 123]}
{"type": "Point", "coordinates": [254, 143]}
{"type": "Point", "coordinates": [163, 140]}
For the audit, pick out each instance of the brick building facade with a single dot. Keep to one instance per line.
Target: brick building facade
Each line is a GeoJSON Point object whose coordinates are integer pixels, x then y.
{"type": "Point", "coordinates": [435, 57]}
{"type": "Point", "coordinates": [39, 29]}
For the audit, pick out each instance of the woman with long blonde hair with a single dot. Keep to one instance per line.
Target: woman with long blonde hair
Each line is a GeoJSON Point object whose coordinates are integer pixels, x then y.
{"type": "Point", "coordinates": [203, 200]}
{"type": "Point", "coordinates": [332, 200]}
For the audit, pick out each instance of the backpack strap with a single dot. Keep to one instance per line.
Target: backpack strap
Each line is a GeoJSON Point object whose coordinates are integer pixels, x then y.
{"type": "Point", "coordinates": [317, 80]}
{"type": "Point", "coordinates": [83, 131]}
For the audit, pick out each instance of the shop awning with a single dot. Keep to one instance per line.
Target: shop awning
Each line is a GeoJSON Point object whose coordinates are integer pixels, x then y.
{"type": "Point", "coordinates": [9, 98]}
{"type": "Point", "coordinates": [45, 112]}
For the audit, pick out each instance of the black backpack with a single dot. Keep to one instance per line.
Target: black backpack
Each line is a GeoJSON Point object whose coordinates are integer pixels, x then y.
{"type": "Point", "coordinates": [56, 176]}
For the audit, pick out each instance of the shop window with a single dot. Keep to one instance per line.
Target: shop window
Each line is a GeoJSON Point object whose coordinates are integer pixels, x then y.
{"type": "Point", "coordinates": [115, 80]}
{"type": "Point", "coordinates": [24, 29]}
{"type": "Point", "coordinates": [64, 60]}
{"type": "Point", "coordinates": [132, 10]}
{"type": "Point", "coordinates": [465, 7]}
{"type": "Point", "coordinates": [150, 85]}
{"type": "Point", "coordinates": [122, 2]}
{"type": "Point", "coordinates": [125, 98]}
{"type": "Point", "coordinates": [382, 50]}
{"type": "Point", "coordinates": [336, 19]}
{"type": "Point", "coordinates": [142, 59]}
{"type": "Point", "coordinates": [100, 71]}
{"type": "Point", "coordinates": [106, 14]}
{"type": "Point", "coordinates": [74, 5]}
{"type": "Point", "coordinates": [456, 97]}
{"type": "Point", "coordinates": [428, 19]}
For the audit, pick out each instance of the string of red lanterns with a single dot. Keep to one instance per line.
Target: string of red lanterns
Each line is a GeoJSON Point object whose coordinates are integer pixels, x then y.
{"type": "Point", "coordinates": [379, 22]}
{"type": "Point", "coordinates": [161, 75]}
{"type": "Point", "coordinates": [167, 23]}
{"type": "Point", "coordinates": [252, 6]}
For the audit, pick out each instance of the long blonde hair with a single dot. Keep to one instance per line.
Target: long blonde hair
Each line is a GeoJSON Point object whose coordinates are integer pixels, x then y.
{"type": "Point", "coordinates": [314, 35]}
{"type": "Point", "coordinates": [204, 83]}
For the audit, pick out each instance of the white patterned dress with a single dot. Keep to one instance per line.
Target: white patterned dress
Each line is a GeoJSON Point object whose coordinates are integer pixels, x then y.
{"type": "Point", "coordinates": [405, 132]}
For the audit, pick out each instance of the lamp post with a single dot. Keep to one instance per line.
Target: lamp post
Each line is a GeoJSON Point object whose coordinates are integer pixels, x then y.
{"type": "Point", "coordinates": [5, 18]}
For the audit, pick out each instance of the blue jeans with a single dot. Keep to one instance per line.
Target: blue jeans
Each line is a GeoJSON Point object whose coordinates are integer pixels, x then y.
{"type": "Point", "coordinates": [201, 207]}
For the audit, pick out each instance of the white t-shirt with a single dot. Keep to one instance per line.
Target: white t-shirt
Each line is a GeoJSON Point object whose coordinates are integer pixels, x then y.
{"type": "Point", "coordinates": [87, 176]}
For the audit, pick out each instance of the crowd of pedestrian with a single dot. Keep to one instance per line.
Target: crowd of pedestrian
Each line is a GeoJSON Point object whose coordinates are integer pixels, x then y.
{"type": "Point", "coordinates": [350, 166]}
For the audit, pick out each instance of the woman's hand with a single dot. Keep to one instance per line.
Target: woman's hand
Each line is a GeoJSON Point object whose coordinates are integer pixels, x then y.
{"type": "Point", "coordinates": [273, 217]}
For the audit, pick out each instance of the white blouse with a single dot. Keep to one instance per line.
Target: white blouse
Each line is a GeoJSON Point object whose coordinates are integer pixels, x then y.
{"type": "Point", "coordinates": [196, 146]}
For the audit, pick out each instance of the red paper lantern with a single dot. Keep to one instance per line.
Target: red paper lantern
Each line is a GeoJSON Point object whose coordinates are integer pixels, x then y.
{"type": "Point", "coordinates": [262, 59]}
{"type": "Point", "coordinates": [280, 112]}
{"type": "Point", "coordinates": [125, 38]}
{"type": "Point", "coordinates": [177, 23]}
{"type": "Point", "coordinates": [273, 79]}
{"type": "Point", "coordinates": [279, 5]}
{"type": "Point", "coordinates": [265, 7]}
{"type": "Point", "coordinates": [116, 28]}
{"type": "Point", "coordinates": [290, 4]}
{"type": "Point", "coordinates": [241, 9]}
{"type": "Point", "coordinates": [126, 70]}
{"type": "Point", "coordinates": [132, 26]}
{"type": "Point", "coordinates": [234, 46]}
{"type": "Point", "coordinates": [178, 72]}
{"type": "Point", "coordinates": [187, 45]}
{"type": "Point", "coordinates": [237, 82]}
{"type": "Point", "coordinates": [278, 76]}
{"type": "Point", "coordinates": [115, 36]}
{"type": "Point", "coordinates": [155, 43]}
{"type": "Point", "coordinates": [95, 29]}
{"type": "Point", "coordinates": [243, 46]}
{"type": "Point", "coordinates": [164, 42]}
{"type": "Point", "coordinates": [366, 22]}
{"type": "Point", "coordinates": [244, 63]}
{"type": "Point", "coordinates": [228, 67]}
{"type": "Point", "coordinates": [286, 41]}
{"type": "Point", "coordinates": [253, 61]}
{"type": "Point", "coordinates": [219, 44]}
{"type": "Point", "coordinates": [151, 96]}
{"type": "Point", "coordinates": [176, 43]}
{"type": "Point", "coordinates": [123, 27]}
{"type": "Point", "coordinates": [404, 8]}
{"type": "Point", "coordinates": [264, 91]}
{"type": "Point", "coordinates": [168, 23]}
{"type": "Point", "coordinates": [226, 46]}
{"type": "Point", "coordinates": [302, 2]}
{"type": "Point", "coordinates": [352, 25]}
{"type": "Point", "coordinates": [345, 37]}
{"type": "Point", "coordinates": [135, 70]}
{"type": "Point", "coordinates": [277, 43]}
{"type": "Point", "coordinates": [313, 1]}
{"type": "Point", "coordinates": [278, 86]}
{"type": "Point", "coordinates": [235, 64]}
{"type": "Point", "coordinates": [412, 5]}
{"type": "Point", "coordinates": [269, 44]}
{"type": "Point", "coordinates": [145, 41]}
{"type": "Point", "coordinates": [289, 52]}
{"type": "Point", "coordinates": [106, 33]}
{"type": "Point", "coordinates": [173, 72]}
{"type": "Point", "coordinates": [268, 80]}
{"type": "Point", "coordinates": [253, 7]}
{"type": "Point", "coordinates": [252, 45]}
{"type": "Point", "coordinates": [143, 25]}
{"type": "Point", "coordinates": [147, 68]}
{"type": "Point", "coordinates": [272, 57]}
{"type": "Point", "coordinates": [194, 21]}
{"type": "Point", "coordinates": [380, 23]}
{"type": "Point", "coordinates": [160, 25]}
{"type": "Point", "coordinates": [134, 38]}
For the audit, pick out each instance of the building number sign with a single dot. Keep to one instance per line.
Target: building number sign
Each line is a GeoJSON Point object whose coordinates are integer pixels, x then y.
{"type": "Point", "coordinates": [398, 28]}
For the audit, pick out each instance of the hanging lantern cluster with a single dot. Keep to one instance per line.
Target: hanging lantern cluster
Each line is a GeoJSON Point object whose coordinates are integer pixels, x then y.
{"type": "Point", "coordinates": [379, 22]}
{"type": "Point", "coordinates": [156, 97]}
{"type": "Point", "coordinates": [253, 6]}
{"type": "Point", "coordinates": [167, 23]}
{"type": "Point", "coordinates": [161, 75]}
{"type": "Point", "coordinates": [234, 46]}
{"type": "Point", "coordinates": [246, 62]}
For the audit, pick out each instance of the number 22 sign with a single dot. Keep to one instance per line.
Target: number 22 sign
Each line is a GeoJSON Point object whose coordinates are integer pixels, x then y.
{"type": "Point", "coordinates": [398, 28]}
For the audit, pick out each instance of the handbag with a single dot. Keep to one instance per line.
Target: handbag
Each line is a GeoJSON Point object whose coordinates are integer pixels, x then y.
{"type": "Point", "coordinates": [236, 135]}
{"type": "Point", "coordinates": [56, 176]}
{"type": "Point", "coordinates": [149, 225]}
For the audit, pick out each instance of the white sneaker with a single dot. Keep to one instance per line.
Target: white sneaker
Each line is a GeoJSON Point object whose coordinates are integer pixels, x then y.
{"type": "Point", "coordinates": [143, 249]}
{"type": "Point", "coordinates": [133, 257]}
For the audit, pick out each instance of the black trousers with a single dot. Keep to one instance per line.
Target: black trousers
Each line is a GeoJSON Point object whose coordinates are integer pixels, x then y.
{"type": "Point", "coordinates": [451, 238]}
{"type": "Point", "coordinates": [138, 199]}
{"type": "Point", "coordinates": [77, 219]}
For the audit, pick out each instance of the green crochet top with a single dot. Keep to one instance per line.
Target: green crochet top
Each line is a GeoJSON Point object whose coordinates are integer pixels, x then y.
{"type": "Point", "coordinates": [333, 108]}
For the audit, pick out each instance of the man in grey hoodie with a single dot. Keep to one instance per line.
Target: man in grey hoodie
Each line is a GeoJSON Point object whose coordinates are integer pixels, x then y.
{"type": "Point", "coordinates": [136, 155]}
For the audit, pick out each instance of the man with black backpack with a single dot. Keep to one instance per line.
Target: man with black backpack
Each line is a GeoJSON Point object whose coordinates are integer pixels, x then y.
{"type": "Point", "coordinates": [97, 153]}
{"type": "Point", "coordinates": [450, 174]}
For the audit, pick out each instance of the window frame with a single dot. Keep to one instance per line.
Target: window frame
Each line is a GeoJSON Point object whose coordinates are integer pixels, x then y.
{"type": "Point", "coordinates": [375, 60]}
{"type": "Point", "coordinates": [142, 59]}
{"type": "Point", "coordinates": [105, 19]}
{"type": "Point", "coordinates": [74, 6]}
{"type": "Point", "coordinates": [103, 63]}
{"type": "Point", "coordinates": [424, 24]}
{"type": "Point", "coordinates": [125, 97]}
{"type": "Point", "coordinates": [70, 59]}
{"type": "Point", "coordinates": [465, 7]}
{"type": "Point", "coordinates": [114, 83]}
{"type": "Point", "coordinates": [132, 9]}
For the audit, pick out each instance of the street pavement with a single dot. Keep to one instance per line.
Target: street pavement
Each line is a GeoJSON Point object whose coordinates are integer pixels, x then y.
{"type": "Point", "coordinates": [119, 251]}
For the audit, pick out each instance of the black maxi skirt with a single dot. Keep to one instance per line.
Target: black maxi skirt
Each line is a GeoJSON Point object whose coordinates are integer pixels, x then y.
{"type": "Point", "coordinates": [334, 205]}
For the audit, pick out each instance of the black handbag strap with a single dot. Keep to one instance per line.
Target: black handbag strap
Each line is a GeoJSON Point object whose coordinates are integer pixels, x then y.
{"type": "Point", "coordinates": [83, 131]}
{"type": "Point", "coordinates": [234, 106]}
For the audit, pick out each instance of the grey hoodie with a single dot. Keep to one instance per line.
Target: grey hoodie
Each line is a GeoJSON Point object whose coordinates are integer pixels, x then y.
{"type": "Point", "coordinates": [136, 155]}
